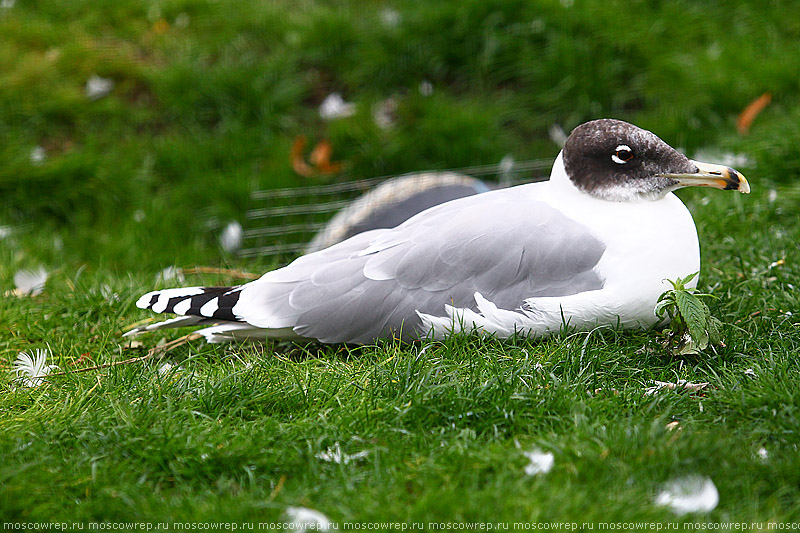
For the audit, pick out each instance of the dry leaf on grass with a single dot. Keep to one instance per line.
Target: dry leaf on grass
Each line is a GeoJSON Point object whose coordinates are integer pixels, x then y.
{"type": "Point", "coordinates": [320, 157]}
{"type": "Point", "coordinates": [749, 114]}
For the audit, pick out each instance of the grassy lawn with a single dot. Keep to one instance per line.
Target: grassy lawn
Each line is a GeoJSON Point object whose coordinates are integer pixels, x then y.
{"type": "Point", "coordinates": [206, 102]}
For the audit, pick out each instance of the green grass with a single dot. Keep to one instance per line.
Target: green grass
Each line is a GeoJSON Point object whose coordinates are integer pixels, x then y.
{"type": "Point", "coordinates": [209, 96]}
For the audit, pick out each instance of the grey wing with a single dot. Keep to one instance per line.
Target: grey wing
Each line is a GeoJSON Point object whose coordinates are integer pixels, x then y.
{"type": "Point", "coordinates": [374, 284]}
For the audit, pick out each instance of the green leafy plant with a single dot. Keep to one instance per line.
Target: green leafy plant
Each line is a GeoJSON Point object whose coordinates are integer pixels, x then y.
{"type": "Point", "coordinates": [691, 328]}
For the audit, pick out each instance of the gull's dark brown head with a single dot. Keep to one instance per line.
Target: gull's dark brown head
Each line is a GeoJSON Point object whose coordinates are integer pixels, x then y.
{"type": "Point", "coordinates": [615, 160]}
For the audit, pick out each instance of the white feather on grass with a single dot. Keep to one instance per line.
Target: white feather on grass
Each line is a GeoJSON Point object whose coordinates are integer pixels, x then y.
{"type": "Point", "coordinates": [692, 494]}
{"type": "Point", "coordinates": [334, 107]}
{"type": "Point", "coordinates": [540, 462]}
{"type": "Point", "coordinates": [335, 455]}
{"type": "Point", "coordinates": [304, 519]}
{"type": "Point", "coordinates": [231, 238]}
{"type": "Point", "coordinates": [170, 274]}
{"type": "Point", "coordinates": [30, 282]}
{"type": "Point", "coordinates": [37, 156]}
{"type": "Point", "coordinates": [97, 87]}
{"type": "Point", "coordinates": [31, 367]}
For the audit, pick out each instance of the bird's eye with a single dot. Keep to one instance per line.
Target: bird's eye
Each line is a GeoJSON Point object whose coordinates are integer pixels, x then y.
{"type": "Point", "coordinates": [622, 154]}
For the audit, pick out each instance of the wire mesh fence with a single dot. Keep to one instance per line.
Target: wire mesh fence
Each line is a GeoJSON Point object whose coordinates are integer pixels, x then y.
{"type": "Point", "coordinates": [291, 221]}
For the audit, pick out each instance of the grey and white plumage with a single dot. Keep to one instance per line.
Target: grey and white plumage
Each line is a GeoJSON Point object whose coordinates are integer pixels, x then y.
{"type": "Point", "coordinates": [593, 245]}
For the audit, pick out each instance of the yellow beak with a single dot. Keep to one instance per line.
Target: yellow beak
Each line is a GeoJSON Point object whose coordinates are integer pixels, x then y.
{"type": "Point", "coordinates": [710, 175]}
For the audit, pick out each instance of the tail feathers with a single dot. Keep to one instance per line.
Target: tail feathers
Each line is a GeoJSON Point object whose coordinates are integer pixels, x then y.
{"type": "Point", "coordinates": [207, 302]}
{"type": "Point", "coordinates": [238, 331]}
{"type": "Point", "coordinates": [177, 322]}
{"type": "Point", "coordinates": [212, 306]}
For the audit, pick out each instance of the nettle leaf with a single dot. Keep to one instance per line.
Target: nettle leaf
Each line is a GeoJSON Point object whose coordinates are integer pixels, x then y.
{"type": "Point", "coordinates": [695, 314]}
{"type": "Point", "coordinates": [665, 304]}
{"type": "Point", "coordinates": [715, 331]}
{"type": "Point", "coordinates": [692, 328]}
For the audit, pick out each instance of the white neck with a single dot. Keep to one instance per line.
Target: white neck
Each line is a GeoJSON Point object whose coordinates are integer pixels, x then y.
{"type": "Point", "coordinates": [559, 179]}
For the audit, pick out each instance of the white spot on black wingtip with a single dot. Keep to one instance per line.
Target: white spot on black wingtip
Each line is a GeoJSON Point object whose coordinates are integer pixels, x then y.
{"type": "Point", "coordinates": [210, 307]}
{"type": "Point", "coordinates": [182, 307]}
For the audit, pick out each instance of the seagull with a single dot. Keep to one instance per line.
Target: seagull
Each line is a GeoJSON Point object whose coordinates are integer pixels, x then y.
{"type": "Point", "coordinates": [592, 246]}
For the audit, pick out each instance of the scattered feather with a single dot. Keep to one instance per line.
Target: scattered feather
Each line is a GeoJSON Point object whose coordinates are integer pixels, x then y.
{"type": "Point", "coordinates": [714, 50]}
{"type": "Point", "coordinates": [7, 4]}
{"type": "Point", "coordinates": [166, 368]}
{"type": "Point", "coordinates": [37, 156]}
{"type": "Point", "coordinates": [391, 18]}
{"type": "Point", "coordinates": [425, 88]}
{"type": "Point", "coordinates": [97, 87]}
{"type": "Point", "coordinates": [30, 282]}
{"type": "Point", "coordinates": [231, 238]}
{"type": "Point", "coordinates": [600, 390]}
{"type": "Point", "coordinates": [334, 107]}
{"type": "Point", "coordinates": [6, 231]}
{"type": "Point", "coordinates": [772, 196]}
{"type": "Point", "coordinates": [31, 367]}
{"type": "Point", "coordinates": [693, 494]}
{"type": "Point", "coordinates": [763, 455]}
{"type": "Point", "coordinates": [335, 455]}
{"type": "Point", "coordinates": [680, 384]}
{"type": "Point", "coordinates": [540, 462]}
{"type": "Point", "coordinates": [169, 274]}
{"type": "Point", "coordinates": [182, 20]}
{"type": "Point", "coordinates": [750, 373]}
{"type": "Point", "coordinates": [107, 292]}
{"type": "Point", "coordinates": [139, 215]}
{"type": "Point", "coordinates": [557, 135]}
{"type": "Point", "coordinates": [384, 113]}
{"type": "Point", "coordinates": [506, 170]}
{"type": "Point", "coordinates": [303, 519]}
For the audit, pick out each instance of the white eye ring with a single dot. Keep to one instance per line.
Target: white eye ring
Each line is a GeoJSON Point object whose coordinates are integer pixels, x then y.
{"type": "Point", "coordinates": [621, 148]}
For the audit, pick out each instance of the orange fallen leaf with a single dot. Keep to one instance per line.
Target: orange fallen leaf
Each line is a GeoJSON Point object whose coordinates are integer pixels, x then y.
{"type": "Point", "coordinates": [296, 155]}
{"type": "Point", "coordinates": [749, 114]}
{"type": "Point", "coordinates": [320, 158]}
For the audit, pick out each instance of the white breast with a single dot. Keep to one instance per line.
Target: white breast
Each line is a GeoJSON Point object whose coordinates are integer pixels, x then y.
{"type": "Point", "coordinates": [647, 242]}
